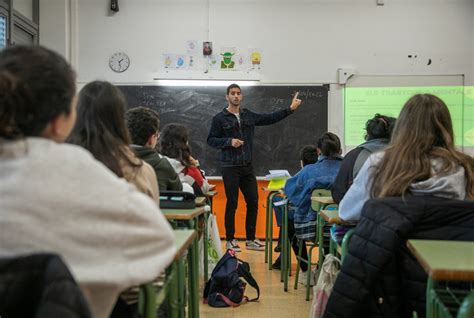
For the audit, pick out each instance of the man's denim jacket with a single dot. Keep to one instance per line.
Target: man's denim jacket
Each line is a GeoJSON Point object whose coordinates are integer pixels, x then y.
{"type": "Point", "coordinates": [225, 127]}
{"type": "Point", "coordinates": [298, 189]}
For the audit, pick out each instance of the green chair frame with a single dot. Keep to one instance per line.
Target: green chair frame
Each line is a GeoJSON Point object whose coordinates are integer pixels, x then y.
{"type": "Point", "coordinates": [316, 207]}
{"type": "Point", "coordinates": [448, 302]}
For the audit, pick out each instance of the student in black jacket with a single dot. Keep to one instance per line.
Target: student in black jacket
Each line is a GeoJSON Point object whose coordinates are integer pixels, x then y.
{"type": "Point", "coordinates": [379, 130]}
{"type": "Point", "coordinates": [232, 132]}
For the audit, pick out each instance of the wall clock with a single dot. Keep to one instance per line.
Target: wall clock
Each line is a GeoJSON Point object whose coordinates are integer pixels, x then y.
{"type": "Point", "coordinates": [119, 62]}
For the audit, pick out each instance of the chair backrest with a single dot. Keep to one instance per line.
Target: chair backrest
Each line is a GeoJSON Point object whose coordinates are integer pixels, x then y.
{"type": "Point", "coordinates": [319, 193]}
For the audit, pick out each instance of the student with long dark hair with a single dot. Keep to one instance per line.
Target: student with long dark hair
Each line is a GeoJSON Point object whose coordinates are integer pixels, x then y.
{"type": "Point", "coordinates": [420, 160]}
{"type": "Point", "coordinates": [57, 198]}
{"type": "Point", "coordinates": [174, 144]}
{"type": "Point", "coordinates": [101, 129]}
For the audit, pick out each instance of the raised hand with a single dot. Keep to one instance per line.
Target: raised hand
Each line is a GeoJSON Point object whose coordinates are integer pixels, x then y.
{"type": "Point", "coordinates": [295, 103]}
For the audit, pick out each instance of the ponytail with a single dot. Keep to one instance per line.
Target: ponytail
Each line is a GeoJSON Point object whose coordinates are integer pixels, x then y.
{"type": "Point", "coordinates": [15, 97]}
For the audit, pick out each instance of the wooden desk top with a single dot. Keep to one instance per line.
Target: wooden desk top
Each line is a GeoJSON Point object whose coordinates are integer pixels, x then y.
{"type": "Point", "coordinates": [200, 201]}
{"type": "Point", "coordinates": [182, 214]}
{"type": "Point", "coordinates": [210, 194]}
{"type": "Point", "coordinates": [332, 216]}
{"type": "Point", "coordinates": [271, 190]}
{"type": "Point", "coordinates": [182, 240]}
{"type": "Point", "coordinates": [445, 260]}
{"type": "Point", "coordinates": [323, 200]}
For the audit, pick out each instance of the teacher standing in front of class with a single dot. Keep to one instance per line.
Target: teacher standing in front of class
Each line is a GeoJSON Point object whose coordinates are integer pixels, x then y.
{"type": "Point", "coordinates": [232, 132]}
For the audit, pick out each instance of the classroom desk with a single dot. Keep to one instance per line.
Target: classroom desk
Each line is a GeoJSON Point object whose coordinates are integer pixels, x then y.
{"type": "Point", "coordinates": [200, 201]}
{"type": "Point", "coordinates": [210, 195]}
{"type": "Point", "coordinates": [323, 200]}
{"type": "Point", "coordinates": [332, 217]}
{"type": "Point", "coordinates": [189, 215]}
{"type": "Point", "coordinates": [321, 222]}
{"type": "Point", "coordinates": [443, 261]}
{"type": "Point", "coordinates": [173, 290]}
{"type": "Point", "coordinates": [269, 225]}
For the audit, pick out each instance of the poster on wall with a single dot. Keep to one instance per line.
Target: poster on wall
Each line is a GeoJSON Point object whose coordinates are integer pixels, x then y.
{"type": "Point", "coordinates": [255, 59]}
{"type": "Point", "coordinates": [3, 32]}
{"type": "Point", "coordinates": [191, 47]}
{"type": "Point", "coordinates": [174, 61]}
{"type": "Point", "coordinates": [227, 56]}
{"type": "Point", "coordinates": [206, 48]}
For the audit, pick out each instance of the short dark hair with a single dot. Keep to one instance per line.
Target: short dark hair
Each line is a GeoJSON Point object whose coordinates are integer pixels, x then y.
{"type": "Point", "coordinates": [36, 86]}
{"type": "Point", "coordinates": [329, 145]}
{"type": "Point", "coordinates": [231, 86]}
{"type": "Point", "coordinates": [379, 127]}
{"type": "Point", "coordinates": [142, 122]}
{"type": "Point", "coordinates": [100, 126]}
{"type": "Point", "coordinates": [309, 154]}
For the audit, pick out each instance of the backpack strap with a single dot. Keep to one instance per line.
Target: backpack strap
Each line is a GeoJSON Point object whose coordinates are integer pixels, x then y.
{"type": "Point", "coordinates": [243, 271]}
{"type": "Point", "coordinates": [230, 303]}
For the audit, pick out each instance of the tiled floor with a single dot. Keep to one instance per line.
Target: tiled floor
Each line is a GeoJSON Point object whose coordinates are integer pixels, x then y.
{"type": "Point", "coordinates": [273, 303]}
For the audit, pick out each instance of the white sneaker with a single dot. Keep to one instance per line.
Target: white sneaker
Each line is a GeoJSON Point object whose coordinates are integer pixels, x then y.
{"type": "Point", "coordinates": [303, 276]}
{"type": "Point", "coordinates": [255, 245]}
{"type": "Point", "coordinates": [233, 245]}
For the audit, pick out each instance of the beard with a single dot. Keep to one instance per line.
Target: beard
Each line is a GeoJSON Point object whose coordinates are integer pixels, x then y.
{"type": "Point", "coordinates": [235, 102]}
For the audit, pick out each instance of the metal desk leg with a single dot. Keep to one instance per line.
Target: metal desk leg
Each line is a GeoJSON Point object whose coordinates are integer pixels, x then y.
{"type": "Point", "coordinates": [269, 222]}
{"type": "Point", "coordinates": [173, 295]}
{"type": "Point", "coordinates": [205, 242]}
{"type": "Point", "coordinates": [285, 263]}
{"type": "Point", "coordinates": [267, 228]}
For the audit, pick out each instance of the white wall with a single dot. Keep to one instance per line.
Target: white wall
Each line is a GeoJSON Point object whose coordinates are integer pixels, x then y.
{"type": "Point", "coordinates": [302, 40]}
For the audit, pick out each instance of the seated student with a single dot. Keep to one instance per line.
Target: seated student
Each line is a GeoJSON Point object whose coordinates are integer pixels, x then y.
{"type": "Point", "coordinates": [308, 155]}
{"type": "Point", "coordinates": [100, 128]}
{"type": "Point", "coordinates": [57, 198]}
{"type": "Point", "coordinates": [143, 125]}
{"type": "Point", "coordinates": [174, 145]}
{"type": "Point", "coordinates": [299, 188]}
{"type": "Point", "coordinates": [379, 130]}
{"type": "Point", "coordinates": [421, 160]}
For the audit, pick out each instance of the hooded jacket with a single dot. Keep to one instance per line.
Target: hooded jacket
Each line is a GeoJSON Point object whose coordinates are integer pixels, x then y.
{"type": "Point", "coordinates": [451, 185]}
{"type": "Point", "coordinates": [168, 179]}
{"type": "Point", "coordinates": [351, 165]}
{"type": "Point", "coordinates": [191, 176]}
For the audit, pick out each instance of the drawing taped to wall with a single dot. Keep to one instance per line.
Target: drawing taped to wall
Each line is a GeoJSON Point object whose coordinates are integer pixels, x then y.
{"type": "Point", "coordinates": [227, 58]}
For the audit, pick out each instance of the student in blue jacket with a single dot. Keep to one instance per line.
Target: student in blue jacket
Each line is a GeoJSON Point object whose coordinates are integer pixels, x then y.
{"type": "Point", "coordinates": [298, 189]}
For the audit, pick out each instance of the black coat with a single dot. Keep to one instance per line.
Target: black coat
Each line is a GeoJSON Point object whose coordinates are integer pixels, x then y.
{"type": "Point", "coordinates": [380, 277]}
{"type": "Point", "coordinates": [39, 285]}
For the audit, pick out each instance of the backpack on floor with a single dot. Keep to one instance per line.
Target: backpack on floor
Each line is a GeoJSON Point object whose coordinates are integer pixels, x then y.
{"type": "Point", "coordinates": [225, 288]}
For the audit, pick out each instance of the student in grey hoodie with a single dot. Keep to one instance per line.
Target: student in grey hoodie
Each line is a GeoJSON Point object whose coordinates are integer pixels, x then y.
{"type": "Point", "coordinates": [379, 130]}
{"type": "Point", "coordinates": [143, 125]}
{"type": "Point", "coordinates": [420, 160]}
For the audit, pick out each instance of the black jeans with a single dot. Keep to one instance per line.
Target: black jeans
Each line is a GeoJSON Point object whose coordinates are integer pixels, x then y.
{"type": "Point", "coordinates": [243, 178]}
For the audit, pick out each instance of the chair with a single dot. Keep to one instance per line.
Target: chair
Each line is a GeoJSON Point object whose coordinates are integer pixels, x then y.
{"type": "Point", "coordinates": [39, 285]}
{"type": "Point", "coordinates": [315, 206]}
